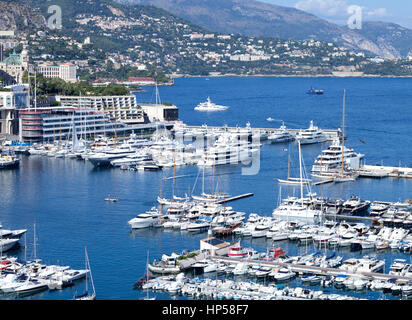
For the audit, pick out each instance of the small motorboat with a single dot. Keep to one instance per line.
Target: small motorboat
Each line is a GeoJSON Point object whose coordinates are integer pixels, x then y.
{"type": "Point", "coordinates": [110, 199]}
{"type": "Point", "coordinates": [315, 91]}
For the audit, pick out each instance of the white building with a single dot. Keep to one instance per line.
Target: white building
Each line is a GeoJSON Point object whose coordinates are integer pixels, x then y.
{"type": "Point", "coordinates": [160, 112]}
{"type": "Point", "coordinates": [10, 103]}
{"type": "Point", "coordinates": [123, 108]}
{"type": "Point", "coordinates": [215, 246]}
{"type": "Point", "coordinates": [65, 71]}
{"type": "Point", "coordinates": [15, 65]}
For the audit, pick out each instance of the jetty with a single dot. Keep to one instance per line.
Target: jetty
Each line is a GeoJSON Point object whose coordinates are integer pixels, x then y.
{"type": "Point", "coordinates": [241, 196]}
{"type": "Point", "coordinates": [375, 171]}
{"type": "Point", "coordinates": [304, 269]}
{"type": "Point", "coordinates": [330, 134]}
{"type": "Point", "coordinates": [322, 182]}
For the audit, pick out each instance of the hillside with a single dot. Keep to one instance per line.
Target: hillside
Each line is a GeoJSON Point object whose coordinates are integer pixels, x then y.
{"type": "Point", "coordinates": [254, 18]}
{"type": "Point", "coordinates": [107, 39]}
{"type": "Point", "coordinates": [19, 17]}
{"type": "Point", "coordinates": [392, 38]}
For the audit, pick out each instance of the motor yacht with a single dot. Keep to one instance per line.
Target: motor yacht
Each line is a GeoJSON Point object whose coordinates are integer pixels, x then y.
{"type": "Point", "coordinates": [105, 159]}
{"type": "Point", "coordinates": [145, 220]}
{"type": "Point", "coordinates": [311, 135]}
{"type": "Point", "coordinates": [283, 274]}
{"type": "Point", "coordinates": [330, 159]}
{"type": "Point", "coordinates": [210, 106]}
{"type": "Point", "coordinates": [281, 135]}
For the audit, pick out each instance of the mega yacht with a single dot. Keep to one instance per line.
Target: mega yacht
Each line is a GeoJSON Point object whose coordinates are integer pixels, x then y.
{"type": "Point", "coordinates": [210, 106]}
{"type": "Point", "coordinates": [330, 159]}
{"type": "Point", "coordinates": [311, 135]}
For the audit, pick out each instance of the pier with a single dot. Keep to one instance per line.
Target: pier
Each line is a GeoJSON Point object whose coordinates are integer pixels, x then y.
{"type": "Point", "coordinates": [330, 134]}
{"type": "Point", "coordinates": [304, 269]}
{"type": "Point", "coordinates": [241, 196]}
{"type": "Point", "coordinates": [322, 182]}
{"type": "Point", "coordinates": [371, 171]}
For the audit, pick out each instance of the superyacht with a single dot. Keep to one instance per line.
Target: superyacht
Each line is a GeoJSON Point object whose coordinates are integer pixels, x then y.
{"type": "Point", "coordinates": [330, 159]}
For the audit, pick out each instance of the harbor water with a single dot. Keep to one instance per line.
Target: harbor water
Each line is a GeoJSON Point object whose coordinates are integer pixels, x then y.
{"type": "Point", "coordinates": [64, 198]}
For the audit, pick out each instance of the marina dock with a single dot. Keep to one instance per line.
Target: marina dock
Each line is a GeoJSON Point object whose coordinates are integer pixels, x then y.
{"type": "Point", "coordinates": [330, 134]}
{"type": "Point", "coordinates": [246, 195]}
{"type": "Point", "coordinates": [370, 171]}
{"type": "Point", "coordinates": [304, 269]}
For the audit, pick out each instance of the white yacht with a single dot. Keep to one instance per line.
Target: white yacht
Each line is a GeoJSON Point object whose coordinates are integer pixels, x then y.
{"type": "Point", "coordinates": [104, 159]}
{"type": "Point", "coordinates": [30, 286]}
{"type": "Point", "coordinates": [198, 225]}
{"type": "Point", "coordinates": [241, 269]}
{"type": "Point", "coordinates": [399, 267]}
{"type": "Point", "coordinates": [311, 135]}
{"type": "Point", "coordinates": [297, 209]}
{"type": "Point", "coordinates": [282, 135]}
{"type": "Point", "coordinates": [222, 155]}
{"type": "Point", "coordinates": [330, 159]}
{"type": "Point", "coordinates": [210, 106]}
{"type": "Point", "coordinates": [145, 220]}
{"type": "Point", "coordinates": [7, 244]}
{"type": "Point", "coordinates": [131, 159]}
{"type": "Point", "coordinates": [283, 274]}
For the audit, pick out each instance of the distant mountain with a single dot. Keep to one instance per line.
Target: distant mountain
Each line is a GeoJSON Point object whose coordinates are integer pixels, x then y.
{"type": "Point", "coordinates": [392, 39]}
{"type": "Point", "coordinates": [19, 17]}
{"type": "Point", "coordinates": [254, 18]}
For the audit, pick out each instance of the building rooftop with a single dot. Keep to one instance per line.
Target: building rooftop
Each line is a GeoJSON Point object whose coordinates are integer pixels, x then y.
{"type": "Point", "coordinates": [13, 59]}
{"type": "Point", "coordinates": [215, 242]}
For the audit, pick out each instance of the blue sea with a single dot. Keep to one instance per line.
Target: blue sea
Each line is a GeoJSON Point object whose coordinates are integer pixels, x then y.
{"type": "Point", "coordinates": [64, 198]}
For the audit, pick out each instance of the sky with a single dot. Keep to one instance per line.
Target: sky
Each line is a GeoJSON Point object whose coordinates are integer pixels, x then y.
{"type": "Point", "coordinates": [396, 11]}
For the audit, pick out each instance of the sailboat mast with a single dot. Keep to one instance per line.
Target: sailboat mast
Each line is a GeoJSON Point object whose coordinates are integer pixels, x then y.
{"type": "Point", "coordinates": [35, 90]}
{"type": "Point", "coordinates": [86, 267]}
{"type": "Point", "coordinates": [34, 244]}
{"type": "Point", "coordinates": [300, 172]}
{"type": "Point", "coordinates": [289, 163]}
{"type": "Point", "coordinates": [213, 181]}
{"type": "Point", "coordinates": [203, 181]}
{"type": "Point", "coordinates": [115, 131]}
{"type": "Point", "coordinates": [174, 169]}
{"type": "Point", "coordinates": [343, 130]}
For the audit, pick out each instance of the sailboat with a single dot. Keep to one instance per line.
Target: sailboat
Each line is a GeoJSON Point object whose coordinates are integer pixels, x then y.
{"type": "Point", "coordinates": [86, 295]}
{"type": "Point", "coordinates": [344, 176]}
{"type": "Point", "coordinates": [293, 207]}
{"type": "Point", "coordinates": [147, 279]}
{"type": "Point", "coordinates": [175, 200]}
{"type": "Point", "coordinates": [214, 196]}
{"type": "Point", "coordinates": [290, 180]}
